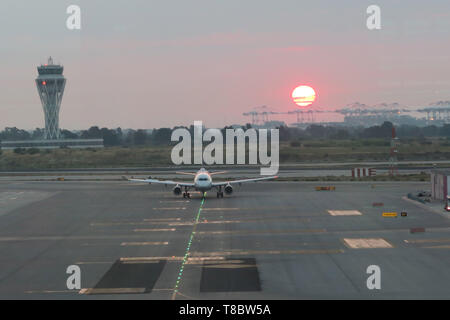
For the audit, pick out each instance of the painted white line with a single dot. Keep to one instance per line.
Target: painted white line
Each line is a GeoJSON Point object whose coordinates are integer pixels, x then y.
{"type": "Point", "coordinates": [154, 230]}
{"type": "Point", "coordinates": [111, 290]}
{"type": "Point", "coordinates": [445, 246]}
{"type": "Point", "coordinates": [259, 232]}
{"type": "Point", "coordinates": [368, 243]}
{"type": "Point", "coordinates": [123, 244]}
{"type": "Point", "coordinates": [162, 219]}
{"type": "Point", "coordinates": [427, 240]}
{"type": "Point", "coordinates": [94, 262]}
{"type": "Point", "coordinates": [219, 209]}
{"type": "Point", "coordinates": [50, 291]}
{"type": "Point", "coordinates": [344, 212]}
{"type": "Point", "coordinates": [133, 259]}
{"type": "Point", "coordinates": [174, 224]}
{"type": "Point", "coordinates": [238, 252]}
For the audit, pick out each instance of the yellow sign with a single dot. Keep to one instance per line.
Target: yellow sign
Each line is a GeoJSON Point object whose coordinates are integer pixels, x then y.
{"type": "Point", "coordinates": [389, 214]}
{"type": "Point", "coordinates": [327, 188]}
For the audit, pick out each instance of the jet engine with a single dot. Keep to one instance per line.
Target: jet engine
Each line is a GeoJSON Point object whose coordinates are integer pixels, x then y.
{"type": "Point", "coordinates": [228, 189]}
{"type": "Point", "coordinates": [177, 190]}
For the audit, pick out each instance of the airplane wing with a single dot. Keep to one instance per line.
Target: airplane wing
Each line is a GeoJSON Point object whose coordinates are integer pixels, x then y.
{"type": "Point", "coordinates": [164, 182]}
{"type": "Point", "coordinates": [217, 172]}
{"type": "Point", "coordinates": [224, 183]}
{"type": "Point", "coordinates": [186, 173]}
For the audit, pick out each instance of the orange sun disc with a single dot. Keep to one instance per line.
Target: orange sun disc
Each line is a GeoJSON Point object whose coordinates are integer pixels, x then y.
{"type": "Point", "coordinates": [303, 96]}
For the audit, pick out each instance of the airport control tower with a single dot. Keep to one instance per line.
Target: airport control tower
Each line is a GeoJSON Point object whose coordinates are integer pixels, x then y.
{"type": "Point", "coordinates": [50, 84]}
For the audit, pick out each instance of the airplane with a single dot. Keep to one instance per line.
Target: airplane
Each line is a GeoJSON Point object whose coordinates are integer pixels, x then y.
{"type": "Point", "coordinates": [202, 182]}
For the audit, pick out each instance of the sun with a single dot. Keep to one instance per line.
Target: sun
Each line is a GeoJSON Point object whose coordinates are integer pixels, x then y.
{"type": "Point", "coordinates": [303, 96]}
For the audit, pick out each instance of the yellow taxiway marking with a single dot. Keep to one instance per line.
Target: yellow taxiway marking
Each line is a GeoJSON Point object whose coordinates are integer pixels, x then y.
{"type": "Point", "coordinates": [111, 290]}
{"type": "Point", "coordinates": [369, 243]}
{"type": "Point", "coordinates": [144, 243]}
{"type": "Point", "coordinates": [344, 212]}
{"type": "Point", "coordinates": [154, 230]}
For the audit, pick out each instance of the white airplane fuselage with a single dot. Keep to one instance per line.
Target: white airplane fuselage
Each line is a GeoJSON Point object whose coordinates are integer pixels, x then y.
{"type": "Point", "coordinates": [203, 181]}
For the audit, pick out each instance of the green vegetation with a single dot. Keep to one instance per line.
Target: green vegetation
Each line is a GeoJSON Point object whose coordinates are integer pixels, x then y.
{"type": "Point", "coordinates": [321, 150]}
{"type": "Point", "coordinates": [85, 158]}
{"type": "Point", "coordinates": [307, 151]}
{"type": "Point", "coordinates": [379, 178]}
{"type": "Point", "coordinates": [149, 148]}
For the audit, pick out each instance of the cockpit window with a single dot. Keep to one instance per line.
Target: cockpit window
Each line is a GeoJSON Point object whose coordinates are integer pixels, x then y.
{"type": "Point", "coordinates": [202, 179]}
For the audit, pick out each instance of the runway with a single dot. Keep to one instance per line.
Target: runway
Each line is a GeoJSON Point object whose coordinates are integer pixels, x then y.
{"type": "Point", "coordinates": [268, 240]}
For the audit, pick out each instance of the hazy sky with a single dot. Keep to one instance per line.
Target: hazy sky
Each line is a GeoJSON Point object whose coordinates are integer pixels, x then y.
{"type": "Point", "coordinates": [145, 64]}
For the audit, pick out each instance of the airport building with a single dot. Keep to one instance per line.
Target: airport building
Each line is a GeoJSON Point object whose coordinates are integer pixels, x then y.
{"type": "Point", "coordinates": [50, 84]}
{"type": "Point", "coordinates": [440, 181]}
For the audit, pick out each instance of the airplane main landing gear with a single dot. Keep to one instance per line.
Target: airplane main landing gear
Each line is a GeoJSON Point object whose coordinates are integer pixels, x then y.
{"type": "Point", "coordinates": [220, 193]}
{"type": "Point", "coordinates": [186, 194]}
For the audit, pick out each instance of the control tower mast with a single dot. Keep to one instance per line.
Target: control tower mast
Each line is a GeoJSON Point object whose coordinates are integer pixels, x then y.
{"type": "Point", "coordinates": [50, 84]}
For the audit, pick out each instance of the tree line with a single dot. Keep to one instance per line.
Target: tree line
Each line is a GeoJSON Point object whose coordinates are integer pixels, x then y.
{"type": "Point", "coordinates": [161, 136]}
